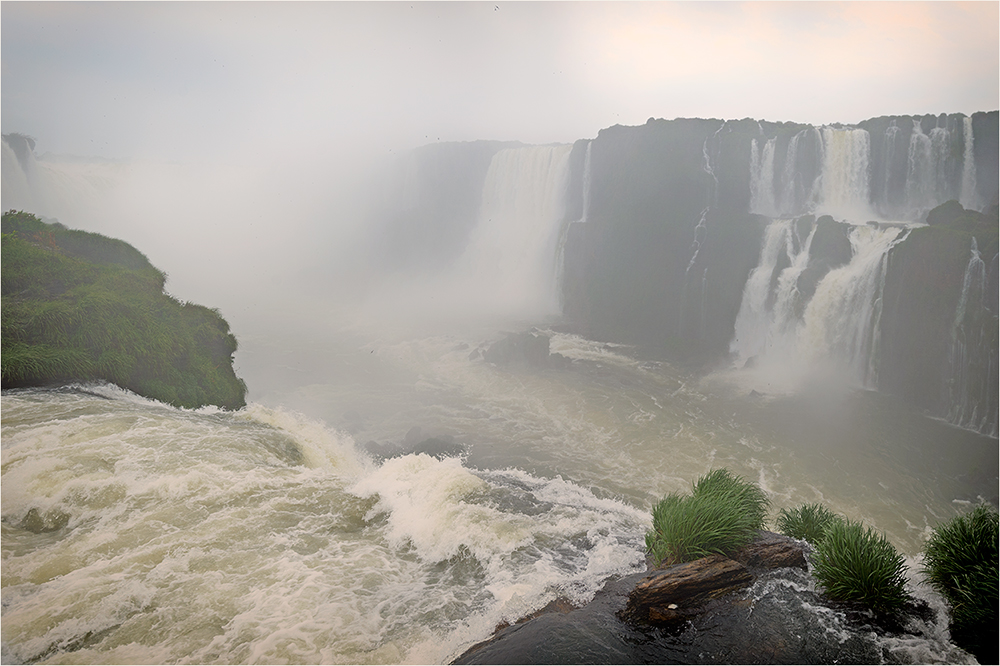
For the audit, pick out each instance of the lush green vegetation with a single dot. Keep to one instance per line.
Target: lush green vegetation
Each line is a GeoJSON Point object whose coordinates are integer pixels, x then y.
{"type": "Point", "coordinates": [808, 522]}
{"type": "Point", "coordinates": [855, 563]}
{"type": "Point", "coordinates": [78, 306]}
{"type": "Point", "coordinates": [961, 563]}
{"type": "Point", "coordinates": [722, 514]}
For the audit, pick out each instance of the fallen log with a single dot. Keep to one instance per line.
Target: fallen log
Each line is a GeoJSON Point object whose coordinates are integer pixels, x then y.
{"type": "Point", "coordinates": [681, 591]}
{"type": "Point", "coordinates": [674, 591]}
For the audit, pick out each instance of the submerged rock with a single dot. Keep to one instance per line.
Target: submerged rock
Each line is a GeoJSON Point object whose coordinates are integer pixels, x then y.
{"type": "Point", "coordinates": [521, 349]}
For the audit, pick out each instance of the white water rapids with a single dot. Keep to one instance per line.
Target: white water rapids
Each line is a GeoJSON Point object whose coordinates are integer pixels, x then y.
{"type": "Point", "coordinates": [135, 532]}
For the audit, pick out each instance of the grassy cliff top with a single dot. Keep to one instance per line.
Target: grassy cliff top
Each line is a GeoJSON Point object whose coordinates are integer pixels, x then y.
{"type": "Point", "coordinates": [79, 306]}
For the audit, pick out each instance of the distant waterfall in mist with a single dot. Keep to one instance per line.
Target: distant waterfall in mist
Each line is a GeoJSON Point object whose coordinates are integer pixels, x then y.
{"type": "Point", "coordinates": [972, 361]}
{"type": "Point", "coordinates": [16, 187]}
{"type": "Point", "coordinates": [969, 198]}
{"type": "Point", "coordinates": [923, 176]}
{"type": "Point", "coordinates": [897, 174]}
{"type": "Point", "coordinates": [64, 189]}
{"type": "Point", "coordinates": [587, 158]}
{"type": "Point", "coordinates": [768, 318]}
{"type": "Point", "coordinates": [511, 258]}
{"type": "Point", "coordinates": [762, 178]}
{"type": "Point", "coordinates": [846, 174]}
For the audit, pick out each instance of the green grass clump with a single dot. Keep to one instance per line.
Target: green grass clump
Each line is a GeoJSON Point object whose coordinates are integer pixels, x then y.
{"type": "Point", "coordinates": [81, 307]}
{"type": "Point", "coordinates": [722, 514]}
{"type": "Point", "coordinates": [961, 563]}
{"type": "Point", "coordinates": [855, 563]}
{"type": "Point", "coordinates": [808, 522]}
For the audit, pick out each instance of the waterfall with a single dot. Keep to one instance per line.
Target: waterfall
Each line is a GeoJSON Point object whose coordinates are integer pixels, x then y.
{"type": "Point", "coordinates": [841, 321]}
{"type": "Point", "coordinates": [700, 232]}
{"type": "Point", "coordinates": [706, 165]}
{"type": "Point", "coordinates": [971, 388]}
{"type": "Point", "coordinates": [16, 186]}
{"type": "Point", "coordinates": [767, 319]}
{"type": "Point", "coordinates": [969, 197]}
{"type": "Point", "coordinates": [72, 190]}
{"type": "Point", "coordinates": [941, 151]}
{"type": "Point", "coordinates": [586, 182]}
{"type": "Point", "coordinates": [886, 199]}
{"type": "Point", "coordinates": [512, 256]}
{"type": "Point", "coordinates": [846, 174]}
{"type": "Point", "coordinates": [791, 196]}
{"type": "Point", "coordinates": [762, 178]}
{"type": "Point", "coordinates": [920, 172]}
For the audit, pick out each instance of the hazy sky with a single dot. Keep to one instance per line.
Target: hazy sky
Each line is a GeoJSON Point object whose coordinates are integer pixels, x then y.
{"type": "Point", "coordinates": [258, 80]}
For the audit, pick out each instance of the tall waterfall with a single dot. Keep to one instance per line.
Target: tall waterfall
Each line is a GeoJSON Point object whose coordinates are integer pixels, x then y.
{"type": "Point", "coordinates": [511, 258]}
{"type": "Point", "coordinates": [920, 174]}
{"type": "Point", "coordinates": [889, 177]}
{"type": "Point", "coordinates": [839, 323]}
{"type": "Point", "coordinates": [972, 361]}
{"type": "Point", "coordinates": [768, 318]}
{"type": "Point", "coordinates": [762, 178]}
{"type": "Point", "coordinates": [587, 176]}
{"type": "Point", "coordinates": [969, 197]}
{"type": "Point", "coordinates": [846, 174]}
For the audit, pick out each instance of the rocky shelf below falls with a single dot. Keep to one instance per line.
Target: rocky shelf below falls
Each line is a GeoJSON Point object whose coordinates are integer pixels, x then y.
{"type": "Point", "coordinates": [756, 606]}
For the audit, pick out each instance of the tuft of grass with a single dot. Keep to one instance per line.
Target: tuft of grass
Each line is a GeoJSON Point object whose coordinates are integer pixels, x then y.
{"type": "Point", "coordinates": [855, 563]}
{"type": "Point", "coordinates": [722, 514]}
{"type": "Point", "coordinates": [808, 522]}
{"type": "Point", "coordinates": [961, 563]}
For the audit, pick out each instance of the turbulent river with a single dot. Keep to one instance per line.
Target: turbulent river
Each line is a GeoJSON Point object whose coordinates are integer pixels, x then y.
{"type": "Point", "coordinates": [393, 498]}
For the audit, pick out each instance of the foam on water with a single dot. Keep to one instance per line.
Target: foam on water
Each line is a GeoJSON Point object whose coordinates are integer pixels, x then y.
{"type": "Point", "coordinates": [138, 532]}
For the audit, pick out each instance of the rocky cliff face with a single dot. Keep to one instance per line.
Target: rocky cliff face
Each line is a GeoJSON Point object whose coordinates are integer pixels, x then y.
{"type": "Point", "coordinates": [711, 239]}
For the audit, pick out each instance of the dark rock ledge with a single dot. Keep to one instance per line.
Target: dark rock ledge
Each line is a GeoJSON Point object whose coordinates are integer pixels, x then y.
{"type": "Point", "coordinates": [658, 597]}
{"type": "Point", "coordinates": [680, 591]}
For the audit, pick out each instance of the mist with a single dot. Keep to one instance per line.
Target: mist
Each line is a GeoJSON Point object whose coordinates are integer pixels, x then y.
{"type": "Point", "coordinates": [503, 275]}
{"type": "Point", "coordinates": [237, 144]}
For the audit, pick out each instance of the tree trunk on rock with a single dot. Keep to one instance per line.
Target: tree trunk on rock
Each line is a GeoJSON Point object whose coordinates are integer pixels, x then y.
{"type": "Point", "coordinates": [681, 591]}
{"type": "Point", "coordinates": [677, 591]}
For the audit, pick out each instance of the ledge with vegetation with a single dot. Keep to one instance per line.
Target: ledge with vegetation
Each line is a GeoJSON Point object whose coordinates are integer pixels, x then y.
{"type": "Point", "coordinates": [708, 543]}
{"type": "Point", "coordinates": [79, 306]}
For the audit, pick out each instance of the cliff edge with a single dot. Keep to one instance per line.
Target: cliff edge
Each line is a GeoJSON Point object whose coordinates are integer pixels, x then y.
{"type": "Point", "coordinates": [79, 306]}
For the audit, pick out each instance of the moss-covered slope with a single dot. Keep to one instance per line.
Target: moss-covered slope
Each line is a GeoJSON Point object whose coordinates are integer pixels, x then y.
{"type": "Point", "coordinates": [79, 306]}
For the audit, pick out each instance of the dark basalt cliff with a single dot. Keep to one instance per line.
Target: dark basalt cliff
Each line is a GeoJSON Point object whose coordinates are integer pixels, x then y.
{"type": "Point", "coordinates": [663, 223]}
{"type": "Point", "coordinates": [79, 307]}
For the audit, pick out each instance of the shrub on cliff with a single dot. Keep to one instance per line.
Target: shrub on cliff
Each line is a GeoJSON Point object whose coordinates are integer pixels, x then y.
{"type": "Point", "coordinates": [961, 563]}
{"type": "Point", "coordinates": [722, 514]}
{"type": "Point", "coordinates": [808, 522]}
{"type": "Point", "coordinates": [79, 306]}
{"type": "Point", "coordinates": [855, 563]}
